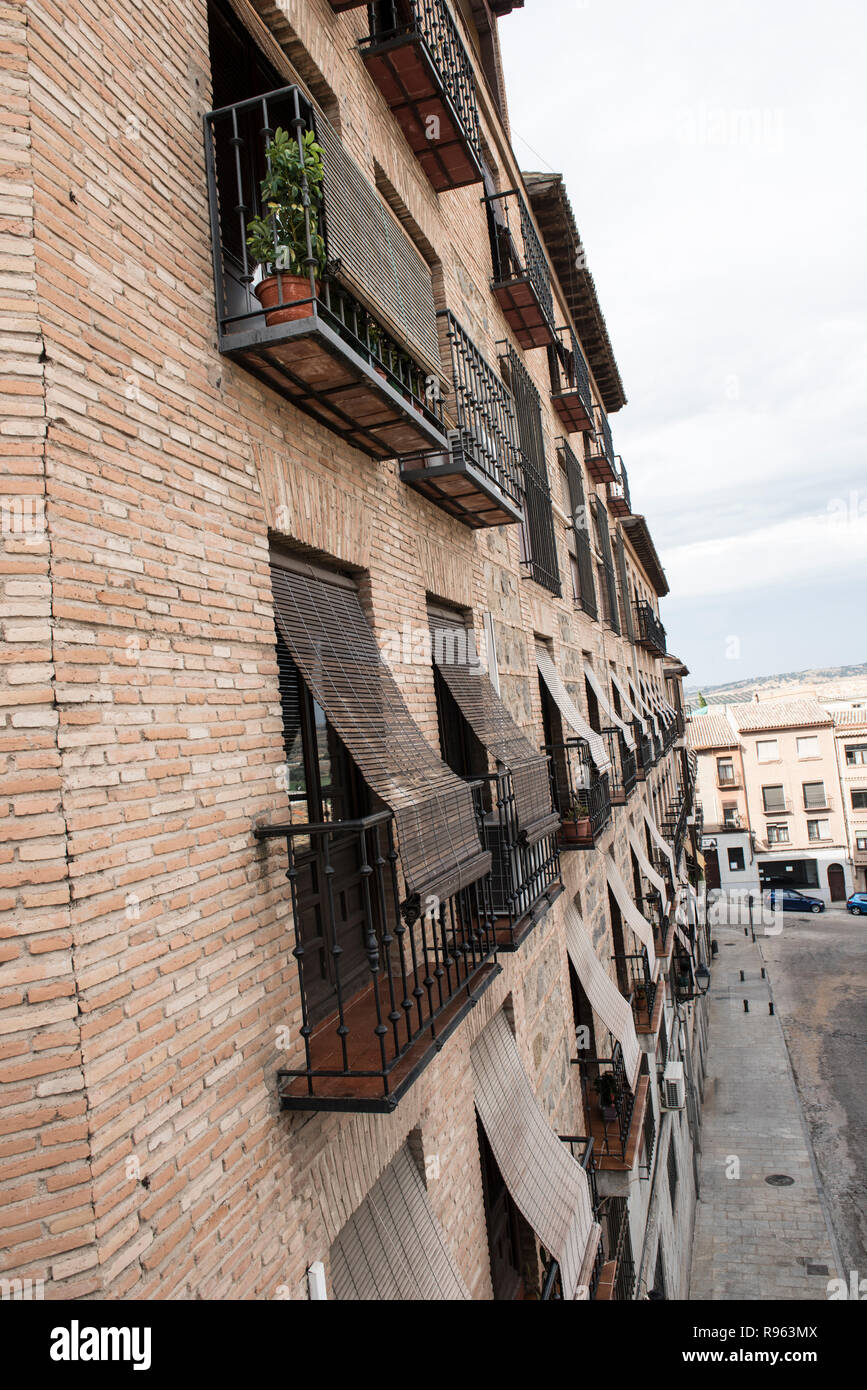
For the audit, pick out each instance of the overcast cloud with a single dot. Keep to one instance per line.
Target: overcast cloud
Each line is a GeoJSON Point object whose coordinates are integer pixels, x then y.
{"type": "Point", "coordinates": [714, 156]}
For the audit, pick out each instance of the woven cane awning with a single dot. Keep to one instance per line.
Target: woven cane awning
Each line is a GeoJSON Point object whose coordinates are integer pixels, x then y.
{"type": "Point", "coordinates": [456, 659]}
{"type": "Point", "coordinates": [549, 1187]}
{"type": "Point", "coordinates": [570, 711]}
{"type": "Point", "coordinates": [602, 993]}
{"type": "Point", "coordinates": [647, 868]}
{"type": "Point", "coordinates": [660, 842]}
{"type": "Point", "coordinates": [601, 696]}
{"type": "Point", "coordinates": [393, 1248]}
{"type": "Point", "coordinates": [630, 913]}
{"type": "Point", "coordinates": [331, 642]}
{"type": "Point", "coordinates": [627, 702]}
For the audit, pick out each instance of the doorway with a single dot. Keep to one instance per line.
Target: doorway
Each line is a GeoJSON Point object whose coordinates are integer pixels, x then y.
{"type": "Point", "coordinates": [836, 883]}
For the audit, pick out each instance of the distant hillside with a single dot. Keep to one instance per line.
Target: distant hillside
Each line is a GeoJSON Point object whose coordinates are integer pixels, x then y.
{"type": "Point", "coordinates": [735, 692]}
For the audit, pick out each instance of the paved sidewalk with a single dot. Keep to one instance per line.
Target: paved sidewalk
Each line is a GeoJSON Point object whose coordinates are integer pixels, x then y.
{"type": "Point", "coordinates": [753, 1240]}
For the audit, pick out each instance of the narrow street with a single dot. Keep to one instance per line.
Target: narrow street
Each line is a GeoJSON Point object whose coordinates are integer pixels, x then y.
{"type": "Point", "coordinates": [762, 1228]}
{"type": "Point", "coordinates": [818, 973]}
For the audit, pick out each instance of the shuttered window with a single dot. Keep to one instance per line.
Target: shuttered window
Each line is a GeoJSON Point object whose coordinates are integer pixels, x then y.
{"type": "Point", "coordinates": [604, 541]}
{"type": "Point", "coordinates": [376, 259]}
{"type": "Point", "coordinates": [581, 529]}
{"type": "Point", "coordinates": [627, 620]}
{"type": "Point", "coordinates": [538, 541]}
{"type": "Point", "coordinates": [331, 642]}
{"type": "Point", "coordinates": [456, 659]}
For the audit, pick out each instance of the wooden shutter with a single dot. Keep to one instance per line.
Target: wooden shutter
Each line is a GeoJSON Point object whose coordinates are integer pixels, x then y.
{"type": "Point", "coordinates": [333, 646]}
{"type": "Point", "coordinates": [378, 262]}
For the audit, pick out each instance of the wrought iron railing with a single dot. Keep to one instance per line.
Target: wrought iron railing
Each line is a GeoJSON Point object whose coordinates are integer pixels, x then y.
{"type": "Point", "coordinates": [619, 1248]}
{"type": "Point", "coordinates": [516, 251]}
{"type": "Point", "coordinates": [538, 539]}
{"type": "Point", "coordinates": [624, 774]}
{"type": "Point", "coordinates": [649, 628]}
{"type": "Point", "coordinates": [637, 983]}
{"type": "Point", "coordinates": [237, 139]}
{"type": "Point", "coordinates": [603, 440]}
{"type": "Point", "coordinates": [619, 490]}
{"type": "Point", "coordinates": [569, 371]}
{"type": "Point", "coordinates": [581, 794]}
{"type": "Point", "coordinates": [432, 22]}
{"type": "Point", "coordinates": [649, 1135]}
{"type": "Point", "coordinates": [580, 517]}
{"type": "Point", "coordinates": [522, 876]}
{"type": "Point", "coordinates": [613, 1099]}
{"type": "Point", "coordinates": [644, 750]}
{"type": "Point", "coordinates": [487, 421]}
{"type": "Point", "coordinates": [360, 1028]}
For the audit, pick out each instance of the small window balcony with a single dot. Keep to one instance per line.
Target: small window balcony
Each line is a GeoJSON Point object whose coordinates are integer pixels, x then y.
{"type": "Point", "coordinates": [284, 310]}
{"type": "Point", "coordinates": [618, 492]}
{"type": "Point", "coordinates": [521, 282]}
{"type": "Point", "coordinates": [581, 794]}
{"type": "Point", "coordinates": [525, 879]}
{"type": "Point", "coordinates": [417, 59]}
{"type": "Point", "coordinates": [615, 1112]}
{"type": "Point", "coordinates": [570, 383]}
{"type": "Point", "coordinates": [644, 750]}
{"type": "Point", "coordinates": [477, 476]}
{"type": "Point", "coordinates": [650, 634]}
{"type": "Point", "coordinates": [624, 773]}
{"type": "Point", "coordinates": [381, 989]}
{"type": "Point", "coordinates": [637, 984]}
{"type": "Point", "coordinates": [601, 463]}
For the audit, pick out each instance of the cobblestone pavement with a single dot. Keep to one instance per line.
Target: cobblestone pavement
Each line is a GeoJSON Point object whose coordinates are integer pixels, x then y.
{"type": "Point", "coordinates": [754, 1240]}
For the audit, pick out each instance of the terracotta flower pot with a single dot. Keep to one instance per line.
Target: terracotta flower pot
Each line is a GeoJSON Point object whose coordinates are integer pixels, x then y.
{"type": "Point", "coordinates": [293, 287]}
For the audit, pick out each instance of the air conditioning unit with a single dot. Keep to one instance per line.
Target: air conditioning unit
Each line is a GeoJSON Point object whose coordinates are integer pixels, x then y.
{"type": "Point", "coordinates": [672, 1086]}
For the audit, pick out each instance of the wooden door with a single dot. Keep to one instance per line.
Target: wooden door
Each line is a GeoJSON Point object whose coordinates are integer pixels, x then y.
{"type": "Point", "coordinates": [836, 883]}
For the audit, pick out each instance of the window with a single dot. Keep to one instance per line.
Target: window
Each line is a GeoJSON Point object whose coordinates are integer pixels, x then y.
{"type": "Point", "coordinates": [725, 771]}
{"type": "Point", "coordinates": [861, 843]}
{"type": "Point", "coordinates": [818, 829]}
{"type": "Point", "coordinates": [585, 594]}
{"type": "Point", "coordinates": [856, 754]}
{"type": "Point", "coordinates": [773, 799]}
{"type": "Point", "coordinates": [576, 577]}
{"type": "Point", "coordinates": [808, 746]}
{"type": "Point", "coordinates": [736, 860]}
{"type": "Point", "coordinates": [538, 541]}
{"type": "Point", "coordinates": [672, 1173]}
{"type": "Point", "coordinates": [767, 750]}
{"type": "Point", "coordinates": [814, 796]}
{"type": "Point", "coordinates": [731, 816]}
{"type": "Point", "coordinates": [778, 834]}
{"type": "Point", "coordinates": [859, 801]}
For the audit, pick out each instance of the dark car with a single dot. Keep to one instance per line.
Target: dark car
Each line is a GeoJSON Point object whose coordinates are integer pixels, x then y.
{"type": "Point", "coordinates": [791, 900]}
{"type": "Point", "coordinates": [857, 904]}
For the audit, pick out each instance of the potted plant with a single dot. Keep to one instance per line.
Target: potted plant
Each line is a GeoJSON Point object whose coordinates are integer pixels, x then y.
{"type": "Point", "coordinates": [277, 239]}
{"type": "Point", "coordinates": [607, 1090]}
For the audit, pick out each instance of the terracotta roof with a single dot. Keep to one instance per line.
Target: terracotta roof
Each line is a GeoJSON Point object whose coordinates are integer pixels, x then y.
{"type": "Point", "coordinates": [638, 533]}
{"type": "Point", "coordinates": [782, 714]}
{"type": "Point", "coordinates": [710, 731]}
{"type": "Point", "coordinates": [855, 717]}
{"type": "Point", "coordinates": [557, 224]}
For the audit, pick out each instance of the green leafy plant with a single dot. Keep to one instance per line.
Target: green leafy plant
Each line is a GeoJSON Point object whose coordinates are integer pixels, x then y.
{"type": "Point", "coordinates": [278, 238]}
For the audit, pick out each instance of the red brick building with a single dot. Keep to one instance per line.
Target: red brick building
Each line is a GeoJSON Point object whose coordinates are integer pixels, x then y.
{"type": "Point", "coordinates": [314, 926]}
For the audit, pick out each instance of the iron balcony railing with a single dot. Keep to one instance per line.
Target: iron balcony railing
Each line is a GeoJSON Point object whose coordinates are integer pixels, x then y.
{"type": "Point", "coordinates": [618, 491]}
{"type": "Point", "coordinates": [581, 1148]}
{"type": "Point", "coordinates": [601, 458]}
{"type": "Point", "coordinates": [649, 1137]}
{"type": "Point", "coordinates": [612, 1102]}
{"type": "Point", "coordinates": [524, 878]}
{"type": "Point", "coordinates": [624, 773]}
{"type": "Point", "coordinates": [487, 434]}
{"type": "Point", "coordinates": [570, 381]}
{"type": "Point", "coordinates": [431, 22]}
{"type": "Point", "coordinates": [368, 1033]}
{"type": "Point", "coordinates": [307, 298]}
{"type": "Point", "coordinates": [637, 984]}
{"type": "Point", "coordinates": [619, 1248]}
{"type": "Point", "coordinates": [645, 756]}
{"type": "Point", "coordinates": [517, 256]}
{"type": "Point", "coordinates": [649, 630]}
{"type": "Point", "coordinates": [580, 517]}
{"type": "Point", "coordinates": [581, 794]}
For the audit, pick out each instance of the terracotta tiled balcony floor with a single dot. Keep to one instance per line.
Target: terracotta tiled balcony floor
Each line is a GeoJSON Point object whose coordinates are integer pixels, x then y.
{"type": "Point", "coordinates": [605, 1137]}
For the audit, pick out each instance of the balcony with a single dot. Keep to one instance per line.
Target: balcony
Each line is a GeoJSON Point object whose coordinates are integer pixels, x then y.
{"type": "Point", "coordinates": [601, 459]}
{"type": "Point", "coordinates": [521, 282]}
{"type": "Point", "coordinates": [728, 781]}
{"type": "Point", "coordinates": [776, 806]}
{"type": "Point", "coordinates": [581, 1148]}
{"type": "Point", "coordinates": [581, 794]}
{"type": "Point", "coordinates": [525, 879]}
{"type": "Point", "coordinates": [380, 990]}
{"type": "Point", "coordinates": [649, 632]}
{"type": "Point", "coordinates": [617, 1278]}
{"type": "Point", "coordinates": [298, 328]}
{"type": "Point", "coordinates": [645, 755]}
{"type": "Point", "coordinates": [570, 383]}
{"type": "Point", "coordinates": [615, 1113]}
{"type": "Point", "coordinates": [636, 982]}
{"type": "Point", "coordinates": [817, 802]}
{"type": "Point", "coordinates": [624, 774]}
{"type": "Point", "coordinates": [478, 476]}
{"type": "Point", "coordinates": [618, 492]}
{"type": "Point", "coordinates": [681, 976]}
{"type": "Point", "coordinates": [415, 56]}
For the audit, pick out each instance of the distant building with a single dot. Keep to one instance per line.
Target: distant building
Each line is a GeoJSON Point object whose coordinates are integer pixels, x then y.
{"type": "Point", "coordinates": [850, 736]}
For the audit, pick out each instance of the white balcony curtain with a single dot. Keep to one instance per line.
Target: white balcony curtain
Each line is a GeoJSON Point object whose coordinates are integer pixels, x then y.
{"type": "Point", "coordinates": [596, 686]}
{"type": "Point", "coordinates": [630, 913]}
{"type": "Point", "coordinates": [647, 868]}
{"type": "Point", "coordinates": [602, 993]}
{"type": "Point", "coordinates": [570, 711]}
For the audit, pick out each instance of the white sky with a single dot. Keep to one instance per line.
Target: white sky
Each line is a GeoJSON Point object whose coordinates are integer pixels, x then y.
{"type": "Point", "coordinates": [716, 160]}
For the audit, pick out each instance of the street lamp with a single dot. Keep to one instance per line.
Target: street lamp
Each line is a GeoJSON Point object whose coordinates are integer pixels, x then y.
{"type": "Point", "coordinates": [702, 979]}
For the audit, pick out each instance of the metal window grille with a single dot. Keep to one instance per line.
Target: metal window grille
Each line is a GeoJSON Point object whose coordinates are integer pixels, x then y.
{"type": "Point", "coordinates": [537, 530]}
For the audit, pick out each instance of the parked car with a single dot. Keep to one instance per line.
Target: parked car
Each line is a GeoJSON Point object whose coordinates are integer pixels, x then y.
{"type": "Point", "coordinates": [857, 904]}
{"type": "Point", "coordinates": [791, 900]}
